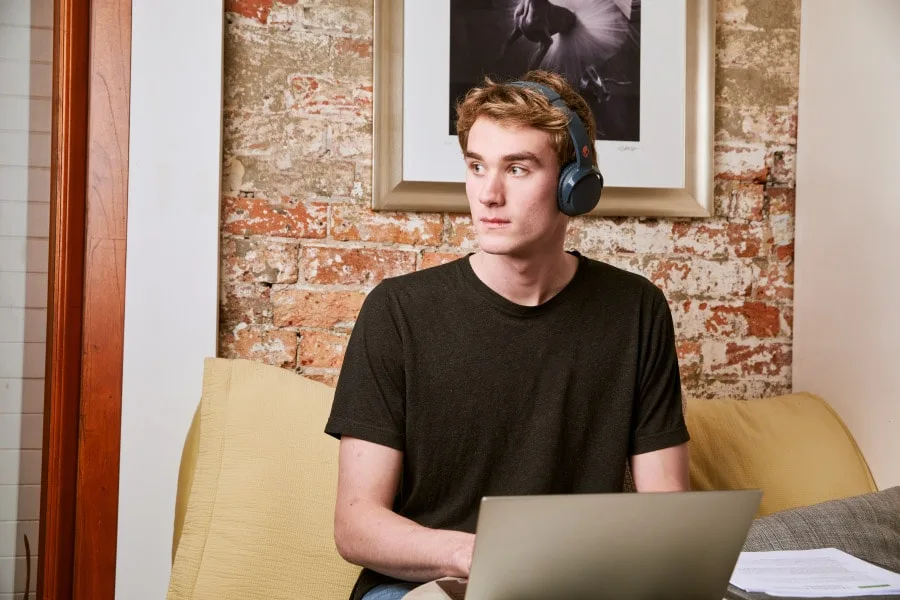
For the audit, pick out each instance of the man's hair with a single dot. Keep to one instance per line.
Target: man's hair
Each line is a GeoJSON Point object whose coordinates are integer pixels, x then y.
{"type": "Point", "coordinates": [510, 105]}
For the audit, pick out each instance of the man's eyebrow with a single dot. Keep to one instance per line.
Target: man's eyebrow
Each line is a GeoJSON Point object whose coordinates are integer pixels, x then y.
{"type": "Point", "coordinates": [522, 157]}
{"type": "Point", "coordinates": [515, 157]}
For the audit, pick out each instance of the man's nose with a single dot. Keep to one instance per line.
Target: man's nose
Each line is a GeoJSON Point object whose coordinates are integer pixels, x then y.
{"type": "Point", "coordinates": [491, 190]}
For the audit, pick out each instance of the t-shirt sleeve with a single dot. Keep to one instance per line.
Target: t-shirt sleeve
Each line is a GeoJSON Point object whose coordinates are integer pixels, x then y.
{"type": "Point", "coordinates": [369, 400]}
{"type": "Point", "coordinates": [659, 416]}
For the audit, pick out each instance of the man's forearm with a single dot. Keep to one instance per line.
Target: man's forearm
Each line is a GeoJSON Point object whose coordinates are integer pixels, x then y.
{"type": "Point", "coordinates": [375, 537]}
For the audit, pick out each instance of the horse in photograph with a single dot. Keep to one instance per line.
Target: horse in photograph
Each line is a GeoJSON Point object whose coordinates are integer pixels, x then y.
{"type": "Point", "coordinates": [572, 35]}
{"type": "Point", "coordinates": [538, 21]}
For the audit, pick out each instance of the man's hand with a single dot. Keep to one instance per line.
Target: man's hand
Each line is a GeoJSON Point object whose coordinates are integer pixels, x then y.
{"type": "Point", "coordinates": [462, 556]}
{"type": "Point", "coordinates": [664, 470]}
{"type": "Point", "coordinates": [367, 532]}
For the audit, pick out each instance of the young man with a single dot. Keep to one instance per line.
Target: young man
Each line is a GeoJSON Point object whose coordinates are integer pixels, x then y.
{"type": "Point", "coordinates": [519, 369]}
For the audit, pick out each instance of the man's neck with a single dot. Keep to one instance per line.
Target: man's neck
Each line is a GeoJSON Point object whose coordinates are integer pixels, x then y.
{"type": "Point", "coordinates": [525, 281]}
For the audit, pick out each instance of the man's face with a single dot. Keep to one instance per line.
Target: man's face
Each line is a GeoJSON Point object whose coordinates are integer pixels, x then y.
{"type": "Point", "coordinates": [511, 182]}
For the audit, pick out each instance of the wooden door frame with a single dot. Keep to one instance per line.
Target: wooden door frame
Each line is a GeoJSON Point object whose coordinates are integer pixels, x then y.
{"type": "Point", "coordinates": [86, 299]}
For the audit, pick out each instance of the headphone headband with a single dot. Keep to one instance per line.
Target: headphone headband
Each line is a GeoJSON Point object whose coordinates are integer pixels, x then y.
{"type": "Point", "coordinates": [584, 149]}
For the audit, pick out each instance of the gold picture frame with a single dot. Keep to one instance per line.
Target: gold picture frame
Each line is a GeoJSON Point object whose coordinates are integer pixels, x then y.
{"type": "Point", "coordinates": [391, 192]}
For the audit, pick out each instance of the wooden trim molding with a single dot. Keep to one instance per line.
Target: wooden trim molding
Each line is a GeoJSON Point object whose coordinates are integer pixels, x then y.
{"type": "Point", "coordinates": [86, 304]}
{"type": "Point", "coordinates": [68, 175]}
{"type": "Point", "coordinates": [97, 501]}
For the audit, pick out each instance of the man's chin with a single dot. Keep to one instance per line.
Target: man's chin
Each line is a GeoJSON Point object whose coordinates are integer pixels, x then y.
{"type": "Point", "coordinates": [503, 248]}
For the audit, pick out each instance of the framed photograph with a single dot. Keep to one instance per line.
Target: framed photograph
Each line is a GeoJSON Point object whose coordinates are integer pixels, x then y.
{"type": "Point", "coordinates": [645, 67]}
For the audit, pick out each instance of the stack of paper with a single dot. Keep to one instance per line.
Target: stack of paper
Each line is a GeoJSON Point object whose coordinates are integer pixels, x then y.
{"type": "Point", "coordinates": [822, 573]}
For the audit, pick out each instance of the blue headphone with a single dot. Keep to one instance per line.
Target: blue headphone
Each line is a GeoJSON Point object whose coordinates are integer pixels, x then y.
{"type": "Point", "coordinates": [580, 182]}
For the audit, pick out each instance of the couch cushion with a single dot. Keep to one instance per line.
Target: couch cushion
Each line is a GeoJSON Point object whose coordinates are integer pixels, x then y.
{"type": "Point", "coordinates": [259, 517]}
{"type": "Point", "coordinates": [792, 447]}
{"type": "Point", "coordinates": [866, 526]}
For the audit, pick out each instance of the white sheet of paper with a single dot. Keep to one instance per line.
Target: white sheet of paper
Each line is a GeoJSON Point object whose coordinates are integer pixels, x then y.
{"type": "Point", "coordinates": [825, 572]}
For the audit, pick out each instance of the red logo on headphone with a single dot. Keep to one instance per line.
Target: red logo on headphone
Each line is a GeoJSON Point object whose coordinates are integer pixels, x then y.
{"type": "Point", "coordinates": [584, 151]}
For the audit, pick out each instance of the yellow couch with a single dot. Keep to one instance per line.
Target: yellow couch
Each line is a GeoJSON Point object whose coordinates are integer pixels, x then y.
{"type": "Point", "coordinates": [257, 482]}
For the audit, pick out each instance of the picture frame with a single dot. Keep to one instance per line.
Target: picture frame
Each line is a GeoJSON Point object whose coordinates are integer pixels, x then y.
{"type": "Point", "coordinates": [395, 190]}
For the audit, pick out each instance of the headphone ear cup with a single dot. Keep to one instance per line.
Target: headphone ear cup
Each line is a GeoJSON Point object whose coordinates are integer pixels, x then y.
{"type": "Point", "coordinates": [564, 192]}
{"type": "Point", "coordinates": [579, 189]}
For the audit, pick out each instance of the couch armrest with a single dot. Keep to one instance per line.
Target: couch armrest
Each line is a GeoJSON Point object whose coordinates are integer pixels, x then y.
{"type": "Point", "coordinates": [795, 448]}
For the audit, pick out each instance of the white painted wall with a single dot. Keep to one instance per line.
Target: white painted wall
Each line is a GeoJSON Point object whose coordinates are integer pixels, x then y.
{"type": "Point", "coordinates": [171, 288]}
{"type": "Point", "coordinates": [847, 278]}
{"type": "Point", "coordinates": [26, 48]}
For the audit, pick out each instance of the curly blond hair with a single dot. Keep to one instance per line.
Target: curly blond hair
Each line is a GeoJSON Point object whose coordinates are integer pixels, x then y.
{"type": "Point", "coordinates": [517, 106]}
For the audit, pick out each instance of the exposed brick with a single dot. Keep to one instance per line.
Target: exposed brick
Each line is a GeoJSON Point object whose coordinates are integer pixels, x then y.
{"type": "Point", "coordinates": [738, 86]}
{"type": "Point", "coordinates": [776, 280]}
{"type": "Point", "coordinates": [323, 96]}
{"type": "Point", "coordinates": [719, 239]}
{"type": "Point", "coordinates": [787, 321]}
{"type": "Point", "coordinates": [740, 388]}
{"type": "Point", "coordinates": [253, 9]}
{"type": "Point", "coordinates": [756, 124]}
{"type": "Point", "coordinates": [357, 47]}
{"type": "Point", "coordinates": [362, 182]}
{"type": "Point", "coordinates": [327, 376]}
{"type": "Point", "coordinates": [630, 262]}
{"type": "Point", "coordinates": [690, 362]}
{"type": "Point", "coordinates": [460, 232]}
{"type": "Point", "coordinates": [651, 236]}
{"type": "Point", "coordinates": [595, 236]}
{"type": "Point", "coordinates": [697, 319]}
{"type": "Point", "coordinates": [351, 58]}
{"type": "Point", "coordinates": [258, 64]}
{"type": "Point", "coordinates": [433, 259]}
{"type": "Point", "coordinates": [349, 140]}
{"type": "Point", "coordinates": [771, 50]}
{"type": "Point", "coordinates": [350, 17]}
{"type": "Point", "coordinates": [783, 235]}
{"type": "Point", "coordinates": [781, 165]}
{"type": "Point", "coordinates": [749, 358]}
{"type": "Point", "coordinates": [321, 349]}
{"type": "Point", "coordinates": [739, 200]}
{"type": "Point", "coordinates": [271, 346]}
{"type": "Point", "coordinates": [307, 178]}
{"type": "Point", "coordinates": [759, 14]}
{"type": "Point", "coordinates": [245, 303]}
{"type": "Point", "coordinates": [259, 260]}
{"type": "Point", "coordinates": [352, 222]}
{"type": "Point", "coordinates": [233, 172]}
{"type": "Point", "coordinates": [753, 319]}
{"type": "Point", "coordinates": [702, 278]}
{"type": "Point", "coordinates": [305, 308]}
{"type": "Point", "coordinates": [745, 163]}
{"type": "Point", "coordinates": [780, 200]}
{"type": "Point", "coordinates": [354, 266]}
{"type": "Point", "coordinates": [252, 133]}
{"type": "Point", "coordinates": [784, 252]}
{"type": "Point", "coordinates": [287, 218]}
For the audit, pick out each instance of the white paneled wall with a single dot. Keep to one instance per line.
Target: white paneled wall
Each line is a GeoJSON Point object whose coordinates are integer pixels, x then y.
{"type": "Point", "coordinates": [846, 288]}
{"type": "Point", "coordinates": [26, 45]}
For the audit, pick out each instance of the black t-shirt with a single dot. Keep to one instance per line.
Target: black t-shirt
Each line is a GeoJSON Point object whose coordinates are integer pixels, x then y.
{"type": "Point", "coordinates": [486, 397]}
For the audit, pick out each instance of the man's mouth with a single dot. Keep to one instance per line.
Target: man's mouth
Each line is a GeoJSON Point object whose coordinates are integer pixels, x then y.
{"type": "Point", "coordinates": [495, 221]}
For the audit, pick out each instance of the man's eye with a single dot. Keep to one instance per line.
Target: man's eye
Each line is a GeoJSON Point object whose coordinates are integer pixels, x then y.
{"type": "Point", "coordinates": [517, 170]}
{"type": "Point", "coordinates": [476, 167]}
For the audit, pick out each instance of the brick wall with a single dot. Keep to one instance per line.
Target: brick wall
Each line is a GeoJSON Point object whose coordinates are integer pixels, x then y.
{"type": "Point", "coordinates": [301, 248]}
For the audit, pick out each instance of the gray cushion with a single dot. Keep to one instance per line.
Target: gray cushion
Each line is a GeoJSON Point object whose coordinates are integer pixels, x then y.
{"type": "Point", "coordinates": [866, 526]}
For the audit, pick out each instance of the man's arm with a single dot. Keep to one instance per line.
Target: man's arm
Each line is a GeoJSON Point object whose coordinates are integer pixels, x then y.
{"type": "Point", "coordinates": [369, 533]}
{"type": "Point", "coordinates": [663, 470]}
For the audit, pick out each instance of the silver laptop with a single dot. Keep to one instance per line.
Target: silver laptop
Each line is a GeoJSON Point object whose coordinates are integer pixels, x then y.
{"type": "Point", "coordinates": [629, 546]}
